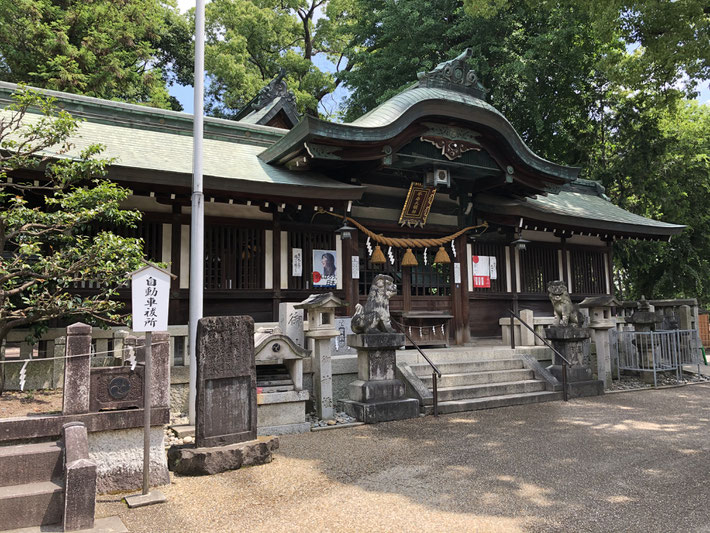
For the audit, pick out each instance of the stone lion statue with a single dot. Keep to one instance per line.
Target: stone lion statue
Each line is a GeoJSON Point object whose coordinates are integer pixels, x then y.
{"type": "Point", "coordinates": [566, 313]}
{"type": "Point", "coordinates": [375, 316]}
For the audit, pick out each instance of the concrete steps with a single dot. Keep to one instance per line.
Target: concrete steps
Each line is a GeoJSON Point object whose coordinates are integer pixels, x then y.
{"type": "Point", "coordinates": [483, 382]}
{"type": "Point", "coordinates": [31, 485]}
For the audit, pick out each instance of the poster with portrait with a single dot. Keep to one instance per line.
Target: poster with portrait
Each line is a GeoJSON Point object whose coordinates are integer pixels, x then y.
{"type": "Point", "coordinates": [325, 268]}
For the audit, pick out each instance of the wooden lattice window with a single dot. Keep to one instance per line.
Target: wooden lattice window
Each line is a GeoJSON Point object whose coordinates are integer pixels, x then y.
{"type": "Point", "coordinates": [369, 271]}
{"type": "Point", "coordinates": [538, 266]}
{"type": "Point", "coordinates": [307, 241]}
{"type": "Point", "coordinates": [494, 250]}
{"type": "Point", "coordinates": [430, 280]}
{"type": "Point", "coordinates": [234, 258]}
{"type": "Point", "coordinates": [588, 271]}
{"type": "Point", "coordinates": [152, 235]}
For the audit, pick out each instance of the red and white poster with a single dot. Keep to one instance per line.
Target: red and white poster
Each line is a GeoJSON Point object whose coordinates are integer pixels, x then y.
{"type": "Point", "coordinates": [481, 272]}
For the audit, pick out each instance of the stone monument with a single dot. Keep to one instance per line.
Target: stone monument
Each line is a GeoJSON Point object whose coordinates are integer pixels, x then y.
{"type": "Point", "coordinates": [320, 309]}
{"type": "Point", "coordinates": [571, 339]}
{"type": "Point", "coordinates": [377, 395]}
{"type": "Point", "coordinates": [225, 422]}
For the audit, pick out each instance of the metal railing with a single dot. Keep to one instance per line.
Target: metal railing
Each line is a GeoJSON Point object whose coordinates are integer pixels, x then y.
{"type": "Point", "coordinates": [656, 351]}
{"type": "Point", "coordinates": [565, 362]}
{"type": "Point", "coordinates": [435, 370]}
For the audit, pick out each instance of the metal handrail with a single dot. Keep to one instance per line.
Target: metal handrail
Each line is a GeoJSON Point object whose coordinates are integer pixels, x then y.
{"type": "Point", "coordinates": [436, 372]}
{"type": "Point", "coordinates": [565, 362]}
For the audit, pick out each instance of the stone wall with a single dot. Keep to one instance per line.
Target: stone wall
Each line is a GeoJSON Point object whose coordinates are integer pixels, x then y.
{"type": "Point", "coordinates": [119, 459]}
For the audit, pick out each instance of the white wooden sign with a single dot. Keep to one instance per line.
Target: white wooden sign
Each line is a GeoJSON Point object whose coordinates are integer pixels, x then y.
{"type": "Point", "coordinates": [150, 292]}
{"type": "Point", "coordinates": [355, 267]}
{"type": "Point", "coordinates": [457, 273]}
{"type": "Point", "coordinates": [297, 262]}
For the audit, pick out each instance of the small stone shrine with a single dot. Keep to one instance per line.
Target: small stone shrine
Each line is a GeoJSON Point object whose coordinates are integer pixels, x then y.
{"type": "Point", "coordinates": [281, 400]}
{"type": "Point", "coordinates": [377, 395]}
{"type": "Point", "coordinates": [571, 339]}
{"type": "Point", "coordinates": [225, 422]}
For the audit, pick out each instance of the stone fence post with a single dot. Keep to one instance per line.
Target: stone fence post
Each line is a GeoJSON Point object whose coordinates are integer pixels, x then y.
{"type": "Point", "coordinates": [77, 370]}
{"type": "Point", "coordinates": [58, 367]}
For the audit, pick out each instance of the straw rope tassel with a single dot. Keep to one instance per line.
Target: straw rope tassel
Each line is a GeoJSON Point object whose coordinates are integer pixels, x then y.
{"type": "Point", "coordinates": [442, 256]}
{"type": "Point", "coordinates": [378, 257]}
{"type": "Point", "coordinates": [409, 260]}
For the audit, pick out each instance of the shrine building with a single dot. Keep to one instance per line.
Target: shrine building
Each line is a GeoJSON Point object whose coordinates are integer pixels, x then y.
{"type": "Point", "coordinates": [486, 222]}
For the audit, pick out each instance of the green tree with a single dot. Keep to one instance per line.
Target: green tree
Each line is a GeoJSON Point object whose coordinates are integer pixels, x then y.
{"type": "Point", "coordinates": [50, 210]}
{"type": "Point", "coordinates": [126, 50]}
{"type": "Point", "coordinates": [249, 41]}
{"type": "Point", "coordinates": [660, 167]}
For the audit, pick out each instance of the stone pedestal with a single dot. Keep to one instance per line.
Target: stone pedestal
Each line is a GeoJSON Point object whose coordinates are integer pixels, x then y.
{"type": "Point", "coordinates": [377, 395]}
{"type": "Point", "coordinates": [573, 343]}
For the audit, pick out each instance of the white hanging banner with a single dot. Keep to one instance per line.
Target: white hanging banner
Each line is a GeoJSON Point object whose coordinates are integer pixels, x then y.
{"type": "Point", "coordinates": [150, 292]}
{"type": "Point", "coordinates": [297, 262]}
{"type": "Point", "coordinates": [356, 267]}
{"type": "Point", "coordinates": [481, 271]}
{"type": "Point", "coordinates": [493, 266]}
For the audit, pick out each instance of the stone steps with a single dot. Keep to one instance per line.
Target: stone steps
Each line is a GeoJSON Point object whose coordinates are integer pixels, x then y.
{"type": "Point", "coordinates": [466, 367]}
{"type": "Point", "coordinates": [28, 463]}
{"type": "Point", "coordinates": [31, 485]}
{"type": "Point", "coordinates": [490, 389]}
{"type": "Point", "coordinates": [491, 402]}
{"type": "Point", "coordinates": [31, 504]}
{"type": "Point", "coordinates": [479, 378]}
{"type": "Point", "coordinates": [480, 381]}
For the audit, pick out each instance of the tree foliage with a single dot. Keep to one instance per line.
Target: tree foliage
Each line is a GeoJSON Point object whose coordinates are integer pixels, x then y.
{"type": "Point", "coordinates": [50, 210]}
{"type": "Point", "coordinates": [126, 50]}
{"type": "Point", "coordinates": [248, 42]}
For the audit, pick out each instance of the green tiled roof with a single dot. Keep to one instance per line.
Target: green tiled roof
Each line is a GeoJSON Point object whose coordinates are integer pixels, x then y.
{"type": "Point", "coordinates": [577, 209]}
{"type": "Point", "coordinates": [166, 149]}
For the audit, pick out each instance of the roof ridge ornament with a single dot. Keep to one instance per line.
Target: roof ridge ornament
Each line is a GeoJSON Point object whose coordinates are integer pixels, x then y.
{"type": "Point", "coordinates": [455, 75]}
{"type": "Point", "coordinates": [275, 89]}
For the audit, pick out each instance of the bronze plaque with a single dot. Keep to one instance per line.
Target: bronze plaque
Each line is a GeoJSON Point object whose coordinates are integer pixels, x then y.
{"type": "Point", "coordinates": [116, 387]}
{"type": "Point", "coordinates": [417, 206]}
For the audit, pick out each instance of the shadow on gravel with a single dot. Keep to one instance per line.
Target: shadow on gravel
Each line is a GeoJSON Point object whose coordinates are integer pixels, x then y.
{"type": "Point", "coordinates": [623, 462]}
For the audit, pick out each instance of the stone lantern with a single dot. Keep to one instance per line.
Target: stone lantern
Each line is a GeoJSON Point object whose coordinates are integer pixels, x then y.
{"type": "Point", "coordinates": [601, 321]}
{"type": "Point", "coordinates": [320, 309]}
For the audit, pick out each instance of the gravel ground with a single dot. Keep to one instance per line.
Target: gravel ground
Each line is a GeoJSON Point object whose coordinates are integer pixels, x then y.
{"type": "Point", "coordinates": [621, 462]}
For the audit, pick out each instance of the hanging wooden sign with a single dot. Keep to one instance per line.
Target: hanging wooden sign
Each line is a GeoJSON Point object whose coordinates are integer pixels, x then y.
{"type": "Point", "coordinates": [417, 205]}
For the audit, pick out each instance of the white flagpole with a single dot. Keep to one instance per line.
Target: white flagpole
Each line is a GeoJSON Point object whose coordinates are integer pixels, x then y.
{"type": "Point", "coordinates": [197, 225]}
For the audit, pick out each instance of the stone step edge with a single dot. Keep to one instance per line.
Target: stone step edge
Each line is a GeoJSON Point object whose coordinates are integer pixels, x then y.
{"type": "Point", "coordinates": [492, 402]}
{"type": "Point", "coordinates": [12, 492]}
{"type": "Point", "coordinates": [481, 385]}
{"type": "Point", "coordinates": [426, 369]}
{"type": "Point", "coordinates": [30, 449]}
{"type": "Point", "coordinates": [479, 372]}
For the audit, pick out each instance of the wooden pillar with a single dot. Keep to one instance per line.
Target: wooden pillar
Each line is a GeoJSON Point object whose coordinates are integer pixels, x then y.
{"type": "Point", "coordinates": [350, 285]}
{"type": "Point", "coordinates": [276, 266]}
{"type": "Point", "coordinates": [459, 292]}
{"type": "Point", "coordinates": [175, 249]}
{"type": "Point", "coordinates": [515, 269]}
